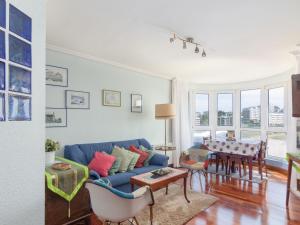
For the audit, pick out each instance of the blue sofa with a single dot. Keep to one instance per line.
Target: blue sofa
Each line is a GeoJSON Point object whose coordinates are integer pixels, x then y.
{"type": "Point", "coordinates": [84, 153]}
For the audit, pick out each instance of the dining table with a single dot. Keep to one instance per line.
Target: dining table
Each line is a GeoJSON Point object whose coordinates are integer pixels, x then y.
{"type": "Point", "coordinates": [246, 150]}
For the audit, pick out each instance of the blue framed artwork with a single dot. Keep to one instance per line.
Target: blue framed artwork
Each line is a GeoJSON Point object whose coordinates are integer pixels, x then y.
{"type": "Point", "coordinates": [2, 13]}
{"type": "Point", "coordinates": [2, 107]}
{"type": "Point", "coordinates": [2, 76]}
{"type": "Point", "coordinates": [19, 108]}
{"type": "Point", "coordinates": [19, 23]}
{"type": "Point", "coordinates": [2, 44]}
{"type": "Point", "coordinates": [19, 80]}
{"type": "Point", "coordinates": [19, 51]}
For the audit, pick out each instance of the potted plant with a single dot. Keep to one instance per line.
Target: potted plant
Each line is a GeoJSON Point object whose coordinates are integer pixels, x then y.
{"type": "Point", "coordinates": [50, 148]}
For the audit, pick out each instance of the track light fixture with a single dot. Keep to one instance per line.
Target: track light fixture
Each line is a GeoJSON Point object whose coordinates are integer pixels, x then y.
{"type": "Point", "coordinates": [186, 41]}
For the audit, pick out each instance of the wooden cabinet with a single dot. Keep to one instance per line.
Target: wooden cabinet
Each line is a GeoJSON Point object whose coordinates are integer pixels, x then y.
{"type": "Point", "coordinates": [56, 208]}
{"type": "Point", "coordinates": [296, 95]}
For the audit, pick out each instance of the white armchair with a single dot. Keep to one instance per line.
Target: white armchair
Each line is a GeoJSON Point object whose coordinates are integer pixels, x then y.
{"type": "Point", "coordinates": [112, 205]}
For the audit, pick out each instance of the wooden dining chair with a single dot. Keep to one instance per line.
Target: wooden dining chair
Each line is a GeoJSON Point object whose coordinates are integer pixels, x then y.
{"type": "Point", "coordinates": [260, 159]}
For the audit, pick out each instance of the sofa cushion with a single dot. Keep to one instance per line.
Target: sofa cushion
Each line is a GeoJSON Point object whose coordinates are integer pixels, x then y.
{"type": "Point", "coordinates": [116, 166]}
{"type": "Point", "coordinates": [125, 156]}
{"type": "Point", "coordinates": [142, 156]}
{"type": "Point", "coordinates": [145, 169]}
{"type": "Point", "coordinates": [101, 163]}
{"type": "Point", "coordinates": [126, 144]}
{"type": "Point", "coordinates": [135, 158]}
{"type": "Point", "coordinates": [90, 149]}
{"type": "Point", "coordinates": [120, 178]}
{"type": "Point", "coordinates": [151, 153]}
{"type": "Point", "coordinates": [74, 153]}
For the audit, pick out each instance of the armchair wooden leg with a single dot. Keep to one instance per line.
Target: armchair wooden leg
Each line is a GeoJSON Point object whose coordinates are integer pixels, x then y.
{"type": "Point", "coordinates": [136, 221]}
{"type": "Point", "coordinates": [151, 214]}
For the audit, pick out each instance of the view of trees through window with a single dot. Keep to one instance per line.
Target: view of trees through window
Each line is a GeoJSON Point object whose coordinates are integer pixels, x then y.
{"type": "Point", "coordinates": [225, 114]}
{"type": "Point", "coordinates": [276, 107]}
{"type": "Point", "coordinates": [250, 109]}
{"type": "Point", "coordinates": [201, 113]}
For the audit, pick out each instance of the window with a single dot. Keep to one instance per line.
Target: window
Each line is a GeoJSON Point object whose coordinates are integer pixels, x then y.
{"type": "Point", "coordinates": [221, 135]}
{"type": "Point", "coordinates": [250, 136]}
{"type": "Point", "coordinates": [276, 107]}
{"type": "Point", "coordinates": [225, 110]}
{"type": "Point", "coordinates": [201, 110]}
{"type": "Point", "coordinates": [199, 135]}
{"type": "Point", "coordinates": [250, 109]}
{"type": "Point", "coordinates": [277, 146]}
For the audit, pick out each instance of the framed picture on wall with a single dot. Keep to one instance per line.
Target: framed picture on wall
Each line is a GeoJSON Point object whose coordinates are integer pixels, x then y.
{"type": "Point", "coordinates": [2, 107]}
{"type": "Point", "coordinates": [56, 117]}
{"type": "Point", "coordinates": [19, 108]}
{"type": "Point", "coordinates": [136, 103]}
{"type": "Point", "coordinates": [111, 98]}
{"type": "Point", "coordinates": [77, 99]}
{"type": "Point", "coordinates": [56, 76]}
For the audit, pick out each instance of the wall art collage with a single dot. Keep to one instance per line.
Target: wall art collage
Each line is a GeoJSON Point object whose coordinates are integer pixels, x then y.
{"type": "Point", "coordinates": [15, 64]}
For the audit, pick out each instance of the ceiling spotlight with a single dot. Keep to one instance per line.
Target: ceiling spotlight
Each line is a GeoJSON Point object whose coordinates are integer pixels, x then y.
{"type": "Point", "coordinates": [184, 45]}
{"type": "Point", "coordinates": [196, 49]}
{"type": "Point", "coordinates": [203, 53]}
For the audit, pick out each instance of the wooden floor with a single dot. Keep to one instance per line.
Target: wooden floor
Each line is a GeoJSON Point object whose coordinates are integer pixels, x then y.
{"type": "Point", "coordinates": [246, 203]}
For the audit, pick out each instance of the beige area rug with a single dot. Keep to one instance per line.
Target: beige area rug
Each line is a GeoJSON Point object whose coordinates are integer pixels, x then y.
{"type": "Point", "coordinates": [173, 209]}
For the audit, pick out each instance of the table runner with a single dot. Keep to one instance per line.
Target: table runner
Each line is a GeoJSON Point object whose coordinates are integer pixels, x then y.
{"type": "Point", "coordinates": [66, 183]}
{"type": "Point", "coordinates": [233, 147]}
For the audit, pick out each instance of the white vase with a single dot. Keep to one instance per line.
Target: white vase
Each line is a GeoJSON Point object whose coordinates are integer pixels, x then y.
{"type": "Point", "coordinates": [50, 158]}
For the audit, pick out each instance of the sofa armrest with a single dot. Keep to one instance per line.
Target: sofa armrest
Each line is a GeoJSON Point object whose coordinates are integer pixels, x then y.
{"type": "Point", "coordinates": [159, 160]}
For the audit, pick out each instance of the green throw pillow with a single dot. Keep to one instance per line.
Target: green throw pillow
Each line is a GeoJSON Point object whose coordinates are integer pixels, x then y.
{"type": "Point", "coordinates": [150, 152]}
{"type": "Point", "coordinates": [125, 158]}
{"type": "Point", "coordinates": [135, 158]}
{"type": "Point", "coordinates": [116, 166]}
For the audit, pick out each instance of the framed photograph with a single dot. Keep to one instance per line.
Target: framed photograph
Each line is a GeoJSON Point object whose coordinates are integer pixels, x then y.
{"type": "Point", "coordinates": [19, 108]}
{"type": "Point", "coordinates": [136, 103]}
{"type": "Point", "coordinates": [2, 107]}
{"type": "Point", "coordinates": [111, 98]}
{"type": "Point", "coordinates": [56, 76]}
{"type": "Point", "coordinates": [19, 80]}
{"type": "Point", "coordinates": [19, 23]}
{"type": "Point", "coordinates": [2, 76]}
{"type": "Point", "coordinates": [77, 99]}
{"type": "Point", "coordinates": [19, 51]}
{"type": "Point", "coordinates": [56, 117]}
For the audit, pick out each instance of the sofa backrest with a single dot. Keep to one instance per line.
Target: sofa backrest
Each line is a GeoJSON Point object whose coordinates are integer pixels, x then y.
{"type": "Point", "coordinates": [84, 153]}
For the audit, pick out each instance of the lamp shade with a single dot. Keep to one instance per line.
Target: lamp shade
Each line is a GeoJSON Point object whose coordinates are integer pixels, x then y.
{"type": "Point", "coordinates": [165, 111]}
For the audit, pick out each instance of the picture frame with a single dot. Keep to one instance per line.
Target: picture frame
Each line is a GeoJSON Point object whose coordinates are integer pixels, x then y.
{"type": "Point", "coordinates": [56, 117]}
{"type": "Point", "coordinates": [77, 99]}
{"type": "Point", "coordinates": [2, 107]}
{"type": "Point", "coordinates": [56, 76]}
{"type": "Point", "coordinates": [19, 108]}
{"type": "Point", "coordinates": [136, 103]}
{"type": "Point", "coordinates": [111, 98]}
{"type": "Point", "coordinates": [19, 80]}
{"type": "Point", "coordinates": [2, 76]}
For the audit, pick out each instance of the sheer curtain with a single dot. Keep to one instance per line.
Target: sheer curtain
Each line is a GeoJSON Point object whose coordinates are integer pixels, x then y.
{"type": "Point", "coordinates": [181, 127]}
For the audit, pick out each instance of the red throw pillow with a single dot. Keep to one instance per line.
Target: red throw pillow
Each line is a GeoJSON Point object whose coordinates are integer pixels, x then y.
{"type": "Point", "coordinates": [143, 156]}
{"type": "Point", "coordinates": [102, 163]}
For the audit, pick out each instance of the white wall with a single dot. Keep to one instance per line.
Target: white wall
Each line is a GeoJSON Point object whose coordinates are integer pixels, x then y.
{"type": "Point", "coordinates": [102, 123]}
{"type": "Point", "coordinates": [22, 143]}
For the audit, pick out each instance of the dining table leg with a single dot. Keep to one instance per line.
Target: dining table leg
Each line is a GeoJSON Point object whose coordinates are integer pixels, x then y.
{"type": "Point", "coordinates": [250, 167]}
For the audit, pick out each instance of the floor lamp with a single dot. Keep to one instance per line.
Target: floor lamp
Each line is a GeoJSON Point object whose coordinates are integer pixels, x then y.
{"type": "Point", "coordinates": [165, 112]}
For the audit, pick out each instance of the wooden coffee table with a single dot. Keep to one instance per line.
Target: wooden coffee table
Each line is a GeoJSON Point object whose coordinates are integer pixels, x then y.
{"type": "Point", "coordinates": [160, 182]}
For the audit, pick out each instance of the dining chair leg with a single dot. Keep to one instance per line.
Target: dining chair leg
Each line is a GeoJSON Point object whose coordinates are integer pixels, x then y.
{"type": "Point", "coordinates": [240, 169]}
{"type": "Point", "coordinates": [266, 169]}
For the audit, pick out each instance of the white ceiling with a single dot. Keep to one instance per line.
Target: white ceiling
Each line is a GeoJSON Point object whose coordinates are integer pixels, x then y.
{"type": "Point", "coordinates": [244, 40]}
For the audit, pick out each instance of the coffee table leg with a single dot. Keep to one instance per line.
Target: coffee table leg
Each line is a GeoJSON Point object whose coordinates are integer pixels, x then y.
{"type": "Point", "coordinates": [167, 188]}
{"type": "Point", "coordinates": [184, 189]}
{"type": "Point", "coordinates": [132, 187]}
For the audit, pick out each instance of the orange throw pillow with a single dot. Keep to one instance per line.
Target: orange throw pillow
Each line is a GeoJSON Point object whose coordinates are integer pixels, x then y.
{"type": "Point", "coordinates": [143, 156]}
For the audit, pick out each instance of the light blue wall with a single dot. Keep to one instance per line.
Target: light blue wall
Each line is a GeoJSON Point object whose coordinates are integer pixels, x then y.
{"type": "Point", "coordinates": [102, 123]}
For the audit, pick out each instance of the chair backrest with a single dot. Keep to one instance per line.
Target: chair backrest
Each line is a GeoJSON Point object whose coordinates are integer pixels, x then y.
{"type": "Point", "coordinates": [262, 154]}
